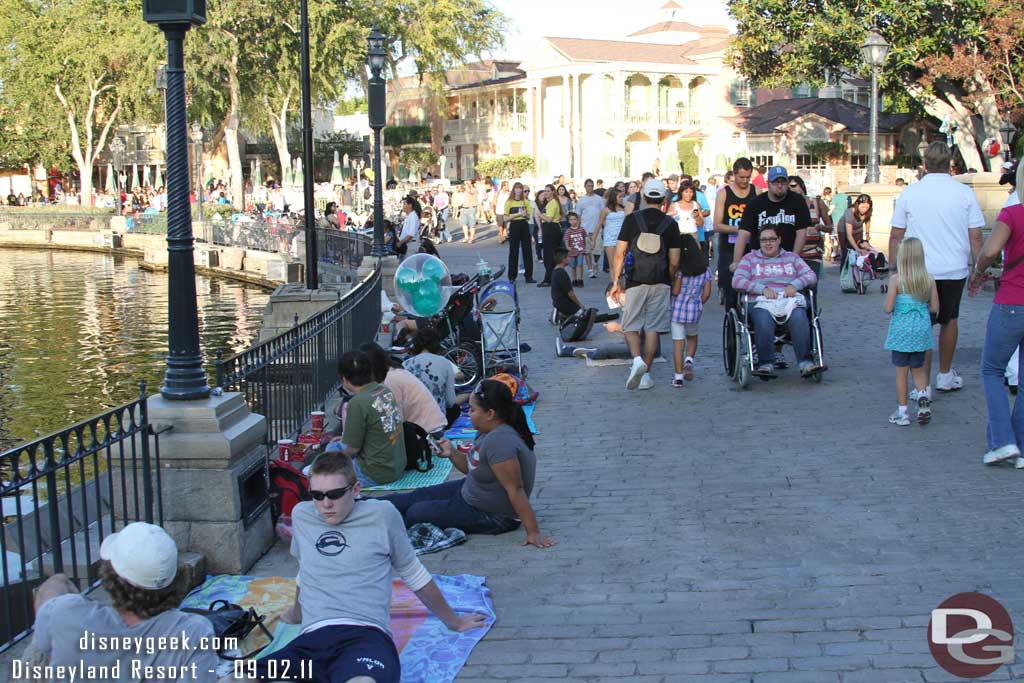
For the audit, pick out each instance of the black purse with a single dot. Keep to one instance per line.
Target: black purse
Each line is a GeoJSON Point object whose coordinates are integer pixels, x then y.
{"type": "Point", "coordinates": [232, 621]}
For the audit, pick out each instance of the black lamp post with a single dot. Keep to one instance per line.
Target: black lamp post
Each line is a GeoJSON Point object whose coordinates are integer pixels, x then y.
{"type": "Point", "coordinates": [185, 378]}
{"type": "Point", "coordinates": [117, 151]}
{"type": "Point", "coordinates": [375, 55]}
{"type": "Point", "coordinates": [921, 149]}
{"type": "Point", "coordinates": [1006, 132]}
{"type": "Point", "coordinates": [312, 275]}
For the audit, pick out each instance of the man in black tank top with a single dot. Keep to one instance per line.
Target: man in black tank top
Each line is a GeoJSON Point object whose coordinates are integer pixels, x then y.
{"type": "Point", "coordinates": [732, 200]}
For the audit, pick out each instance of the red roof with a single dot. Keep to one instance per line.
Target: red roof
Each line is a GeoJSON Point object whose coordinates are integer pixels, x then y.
{"type": "Point", "coordinates": [585, 50]}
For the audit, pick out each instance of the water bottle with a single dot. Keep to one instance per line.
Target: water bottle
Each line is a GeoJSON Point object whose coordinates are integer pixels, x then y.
{"type": "Point", "coordinates": [627, 268]}
{"type": "Point", "coordinates": [483, 269]}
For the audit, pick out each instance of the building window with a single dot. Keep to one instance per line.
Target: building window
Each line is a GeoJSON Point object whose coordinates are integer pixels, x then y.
{"type": "Point", "coordinates": [804, 90]}
{"type": "Point", "coordinates": [810, 161]}
{"type": "Point", "coordinates": [741, 94]}
{"type": "Point", "coordinates": [759, 160]}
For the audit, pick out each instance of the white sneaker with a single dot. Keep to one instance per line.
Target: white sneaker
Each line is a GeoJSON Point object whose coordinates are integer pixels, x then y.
{"type": "Point", "coordinates": [590, 273]}
{"type": "Point", "coordinates": [1019, 463]}
{"type": "Point", "coordinates": [1000, 454]}
{"type": "Point", "coordinates": [927, 393]}
{"type": "Point", "coordinates": [593, 274]}
{"type": "Point", "coordinates": [903, 420]}
{"type": "Point", "coordinates": [949, 381]}
{"type": "Point", "coordinates": [646, 382]}
{"type": "Point", "coordinates": [636, 372]}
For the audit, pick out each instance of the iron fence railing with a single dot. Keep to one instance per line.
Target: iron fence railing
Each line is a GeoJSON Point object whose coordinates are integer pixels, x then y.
{"type": "Point", "coordinates": [343, 248]}
{"type": "Point", "coordinates": [296, 372]}
{"type": "Point", "coordinates": [62, 494]}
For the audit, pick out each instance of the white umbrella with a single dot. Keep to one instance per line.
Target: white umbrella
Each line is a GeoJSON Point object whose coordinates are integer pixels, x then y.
{"type": "Point", "coordinates": [159, 181]}
{"type": "Point", "coordinates": [300, 177]}
{"type": "Point", "coordinates": [110, 178]}
{"type": "Point", "coordinates": [135, 176]}
{"type": "Point", "coordinates": [145, 176]}
{"type": "Point", "coordinates": [257, 176]}
{"type": "Point", "coordinates": [336, 170]}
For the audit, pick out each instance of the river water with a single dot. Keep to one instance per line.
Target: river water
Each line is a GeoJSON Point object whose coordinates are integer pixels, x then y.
{"type": "Point", "coordinates": [79, 330]}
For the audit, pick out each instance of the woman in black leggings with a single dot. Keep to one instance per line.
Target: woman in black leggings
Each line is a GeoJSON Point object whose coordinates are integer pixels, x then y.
{"type": "Point", "coordinates": [517, 214]}
{"type": "Point", "coordinates": [550, 230]}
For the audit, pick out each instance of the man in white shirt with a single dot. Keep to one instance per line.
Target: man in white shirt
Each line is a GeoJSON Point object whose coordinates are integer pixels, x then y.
{"type": "Point", "coordinates": [944, 214]}
{"type": "Point", "coordinates": [589, 209]}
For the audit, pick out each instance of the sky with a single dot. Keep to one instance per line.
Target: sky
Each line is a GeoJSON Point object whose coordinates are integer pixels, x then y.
{"type": "Point", "coordinates": [603, 19]}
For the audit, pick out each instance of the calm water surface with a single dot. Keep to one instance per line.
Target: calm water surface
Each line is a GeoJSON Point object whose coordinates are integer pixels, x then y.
{"type": "Point", "coordinates": [79, 330]}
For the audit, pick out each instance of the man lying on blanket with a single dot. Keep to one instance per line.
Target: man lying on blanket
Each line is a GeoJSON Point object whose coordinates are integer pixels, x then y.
{"type": "Point", "coordinates": [347, 548]}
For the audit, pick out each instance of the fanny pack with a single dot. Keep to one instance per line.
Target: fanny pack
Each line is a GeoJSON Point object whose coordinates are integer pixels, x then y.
{"type": "Point", "coordinates": [232, 621]}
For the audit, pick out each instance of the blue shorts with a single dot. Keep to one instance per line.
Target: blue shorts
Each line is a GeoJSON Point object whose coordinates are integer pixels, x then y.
{"type": "Point", "coordinates": [334, 654]}
{"type": "Point", "coordinates": [913, 359]}
{"type": "Point", "coordinates": [577, 261]}
{"type": "Point", "coordinates": [339, 447]}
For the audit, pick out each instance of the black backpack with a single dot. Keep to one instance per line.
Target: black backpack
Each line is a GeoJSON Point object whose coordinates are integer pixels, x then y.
{"type": "Point", "coordinates": [418, 455]}
{"type": "Point", "coordinates": [651, 268]}
{"type": "Point", "coordinates": [578, 325]}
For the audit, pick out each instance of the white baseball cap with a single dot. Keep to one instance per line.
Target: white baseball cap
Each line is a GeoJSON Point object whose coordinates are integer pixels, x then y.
{"type": "Point", "coordinates": [142, 554]}
{"type": "Point", "coordinates": [655, 189]}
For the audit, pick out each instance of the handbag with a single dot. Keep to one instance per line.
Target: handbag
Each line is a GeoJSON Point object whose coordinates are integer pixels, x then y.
{"type": "Point", "coordinates": [232, 621]}
{"type": "Point", "coordinates": [846, 281]}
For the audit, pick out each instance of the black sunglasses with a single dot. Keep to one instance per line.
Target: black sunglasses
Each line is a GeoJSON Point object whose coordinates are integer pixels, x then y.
{"type": "Point", "coordinates": [333, 494]}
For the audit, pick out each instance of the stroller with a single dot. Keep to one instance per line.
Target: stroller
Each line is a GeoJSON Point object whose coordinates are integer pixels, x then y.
{"type": "Point", "coordinates": [859, 269]}
{"type": "Point", "coordinates": [497, 347]}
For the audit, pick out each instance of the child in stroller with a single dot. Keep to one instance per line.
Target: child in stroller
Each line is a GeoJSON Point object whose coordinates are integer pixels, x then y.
{"type": "Point", "coordinates": [867, 263]}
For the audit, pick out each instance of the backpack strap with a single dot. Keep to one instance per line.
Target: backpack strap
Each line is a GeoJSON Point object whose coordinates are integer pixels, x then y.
{"type": "Point", "coordinates": [1013, 264]}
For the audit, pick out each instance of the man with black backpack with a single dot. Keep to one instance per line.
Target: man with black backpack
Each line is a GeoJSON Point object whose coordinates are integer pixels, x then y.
{"type": "Point", "coordinates": [646, 260]}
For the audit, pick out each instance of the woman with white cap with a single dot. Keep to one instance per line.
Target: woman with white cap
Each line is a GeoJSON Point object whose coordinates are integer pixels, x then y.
{"type": "Point", "coordinates": [138, 570]}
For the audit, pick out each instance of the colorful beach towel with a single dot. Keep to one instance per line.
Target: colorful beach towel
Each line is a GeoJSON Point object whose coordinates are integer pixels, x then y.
{"type": "Point", "coordinates": [428, 651]}
{"type": "Point", "coordinates": [462, 428]}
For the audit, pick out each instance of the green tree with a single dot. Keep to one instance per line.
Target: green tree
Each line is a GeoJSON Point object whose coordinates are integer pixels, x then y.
{"type": "Point", "coordinates": [417, 158]}
{"type": "Point", "coordinates": [957, 60]}
{"type": "Point", "coordinates": [71, 71]}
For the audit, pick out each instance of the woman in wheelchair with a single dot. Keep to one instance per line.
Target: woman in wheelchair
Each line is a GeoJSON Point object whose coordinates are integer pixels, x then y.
{"type": "Point", "coordinates": [773, 279]}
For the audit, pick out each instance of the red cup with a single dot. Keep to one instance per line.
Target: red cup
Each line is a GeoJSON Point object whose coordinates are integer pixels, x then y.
{"type": "Point", "coordinates": [284, 449]}
{"type": "Point", "coordinates": [317, 418]}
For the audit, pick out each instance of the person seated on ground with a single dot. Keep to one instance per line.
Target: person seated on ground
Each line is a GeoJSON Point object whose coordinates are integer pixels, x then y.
{"type": "Point", "coordinates": [436, 372]}
{"type": "Point", "coordinates": [776, 277]}
{"type": "Point", "coordinates": [563, 297]}
{"type": "Point", "coordinates": [494, 496]}
{"type": "Point", "coordinates": [139, 571]}
{"type": "Point", "coordinates": [372, 433]}
{"type": "Point", "coordinates": [413, 397]}
{"type": "Point", "coordinates": [348, 548]}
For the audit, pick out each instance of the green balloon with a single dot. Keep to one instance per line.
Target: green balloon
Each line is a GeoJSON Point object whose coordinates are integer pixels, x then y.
{"type": "Point", "coordinates": [433, 270]}
{"type": "Point", "coordinates": [426, 301]}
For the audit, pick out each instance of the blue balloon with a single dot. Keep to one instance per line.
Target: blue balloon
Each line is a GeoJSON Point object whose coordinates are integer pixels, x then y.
{"type": "Point", "coordinates": [406, 279]}
{"type": "Point", "coordinates": [433, 269]}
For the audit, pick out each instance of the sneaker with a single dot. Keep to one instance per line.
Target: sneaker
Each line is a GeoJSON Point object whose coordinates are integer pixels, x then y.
{"type": "Point", "coordinates": [997, 455]}
{"type": "Point", "coordinates": [767, 370]}
{"type": "Point", "coordinates": [678, 383]}
{"type": "Point", "coordinates": [915, 394]}
{"type": "Point", "coordinates": [563, 350]}
{"type": "Point", "coordinates": [579, 284]}
{"type": "Point", "coordinates": [688, 370]}
{"type": "Point", "coordinates": [779, 360]}
{"type": "Point", "coordinates": [580, 352]}
{"type": "Point", "coordinates": [1019, 463]}
{"type": "Point", "coordinates": [590, 273]}
{"type": "Point", "coordinates": [900, 420]}
{"type": "Point", "coordinates": [646, 382]}
{"type": "Point", "coordinates": [924, 410]}
{"type": "Point", "coordinates": [808, 368]}
{"type": "Point", "coordinates": [636, 372]}
{"type": "Point", "coordinates": [543, 284]}
{"type": "Point", "coordinates": [949, 381]}
{"type": "Point", "coordinates": [593, 274]}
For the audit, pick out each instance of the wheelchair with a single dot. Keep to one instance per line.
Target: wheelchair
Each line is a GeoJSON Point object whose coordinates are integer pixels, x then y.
{"type": "Point", "coordinates": [739, 347]}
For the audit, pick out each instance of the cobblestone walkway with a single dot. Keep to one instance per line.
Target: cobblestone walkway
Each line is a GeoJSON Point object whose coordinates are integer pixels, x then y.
{"type": "Point", "coordinates": [783, 534]}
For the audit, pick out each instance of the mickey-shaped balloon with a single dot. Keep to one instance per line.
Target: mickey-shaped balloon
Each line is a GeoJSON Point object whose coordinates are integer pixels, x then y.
{"type": "Point", "coordinates": [422, 284]}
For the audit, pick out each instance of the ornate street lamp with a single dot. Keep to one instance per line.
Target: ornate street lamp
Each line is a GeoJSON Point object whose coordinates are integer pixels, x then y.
{"type": "Point", "coordinates": [185, 378]}
{"type": "Point", "coordinates": [1006, 133]}
{"type": "Point", "coordinates": [117, 147]}
{"type": "Point", "coordinates": [312, 275]}
{"type": "Point", "coordinates": [197, 159]}
{"type": "Point", "coordinates": [874, 50]}
{"type": "Point", "coordinates": [921, 149]}
{"type": "Point", "coordinates": [375, 56]}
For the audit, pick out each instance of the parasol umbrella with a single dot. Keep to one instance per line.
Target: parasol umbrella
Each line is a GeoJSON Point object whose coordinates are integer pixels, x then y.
{"type": "Point", "coordinates": [299, 178]}
{"type": "Point", "coordinates": [111, 187]}
{"type": "Point", "coordinates": [145, 176]}
{"type": "Point", "coordinates": [286, 173]}
{"type": "Point", "coordinates": [208, 176]}
{"type": "Point", "coordinates": [135, 176]}
{"type": "Point", "coordinates": [159, 180]}
{"type": "Point", "coordinates": [257, 176]}
{"type": "Point", "coordinates": [336, 170]}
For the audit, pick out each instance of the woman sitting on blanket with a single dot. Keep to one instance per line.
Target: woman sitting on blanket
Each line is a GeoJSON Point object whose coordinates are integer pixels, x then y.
{"type": "Point", "coordinates": [494, 497]}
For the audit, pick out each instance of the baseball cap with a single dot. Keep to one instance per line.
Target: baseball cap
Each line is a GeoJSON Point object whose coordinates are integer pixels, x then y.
{"type": "Point", "coordinates": [142, 554]}
{"type": "Point", "coordinates": [674, 176]}
{"type": "Point", "coordinates": [655, 189]}
{"type": "Point", "coordinates": [776, 172]}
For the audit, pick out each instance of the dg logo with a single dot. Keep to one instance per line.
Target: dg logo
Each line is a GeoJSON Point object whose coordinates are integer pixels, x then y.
{"type": "Point", "coordinates": [971, 635]}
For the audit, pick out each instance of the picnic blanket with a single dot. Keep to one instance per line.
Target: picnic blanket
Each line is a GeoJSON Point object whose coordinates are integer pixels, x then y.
{"type": "Point", "coordinates": [463, 429]}
{"type": "Point", "coordinates": [414, 479]}
{"type": "Point", "coordinates": [428, 651]}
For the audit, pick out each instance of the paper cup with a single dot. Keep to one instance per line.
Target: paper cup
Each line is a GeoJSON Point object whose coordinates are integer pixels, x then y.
{"type": "Point", "coordinates": [284, 449]}
{"type": "Point", "coordinates": [317, 418]}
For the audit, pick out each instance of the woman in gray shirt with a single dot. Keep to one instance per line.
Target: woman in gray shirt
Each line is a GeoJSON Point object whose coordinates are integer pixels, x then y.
{"type": "Point", "coordinates": [494, 497]}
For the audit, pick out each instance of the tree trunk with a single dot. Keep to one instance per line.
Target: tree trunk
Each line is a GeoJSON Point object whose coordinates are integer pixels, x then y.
{"type": "Point", "coordinates": [231, 124]}
{"type": "Point", "coordinates": [85, 154]}
{"type": "Point", "coordinates": [279, 129]}
{"type": "Point", "coordinates": [953, 106]}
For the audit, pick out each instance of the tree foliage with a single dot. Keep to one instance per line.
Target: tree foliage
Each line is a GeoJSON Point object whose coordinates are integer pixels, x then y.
{"type": "Point", "coordinates": [510, 166]}
{"type": "Point", "coordinates": [955, 59]}
{"type": "Point", "coordinates": [417, 158]}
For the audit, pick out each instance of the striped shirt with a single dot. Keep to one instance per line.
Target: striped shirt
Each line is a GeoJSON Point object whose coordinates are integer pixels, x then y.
{"type": "Point", "coordinates": [755, 272]}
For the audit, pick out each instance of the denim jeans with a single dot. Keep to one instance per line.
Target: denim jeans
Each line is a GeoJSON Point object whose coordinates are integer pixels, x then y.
{"type": "Point", "coordinates": [764, 333]}
{"type": "Point", "coordinates": [339, 447]}
{"type": "Point", "coordinates": [444, 506]}
{"type": "Point", "coordinates": [1003, 334]}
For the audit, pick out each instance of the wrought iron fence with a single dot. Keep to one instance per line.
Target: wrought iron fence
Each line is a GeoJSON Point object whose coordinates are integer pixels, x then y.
{"type": "Point", "coordinates": [296, 372]}
{"type": "Point", "coordinates": [343, 248]}
{"type": "Point", "coordinates": [62, 494]}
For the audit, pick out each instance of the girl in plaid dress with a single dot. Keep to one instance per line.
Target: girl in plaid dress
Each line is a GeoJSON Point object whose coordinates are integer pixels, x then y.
{"type": "Point", "coordinates": [690, 290]}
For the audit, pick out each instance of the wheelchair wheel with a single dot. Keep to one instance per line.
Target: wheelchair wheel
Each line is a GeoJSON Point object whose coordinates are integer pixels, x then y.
{"type": "Point", "coordinates": [743, 375]}
{"type": "Point", "coordinates": [466, 357]}
{"type": "Point", "coordinates": [729, 350]}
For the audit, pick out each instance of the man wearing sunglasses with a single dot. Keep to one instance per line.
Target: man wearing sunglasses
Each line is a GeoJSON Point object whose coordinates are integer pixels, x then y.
{"type": "Point", "coordinates": [348, 548]}
{"type": "Point", "coordinates": [786, 211]}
